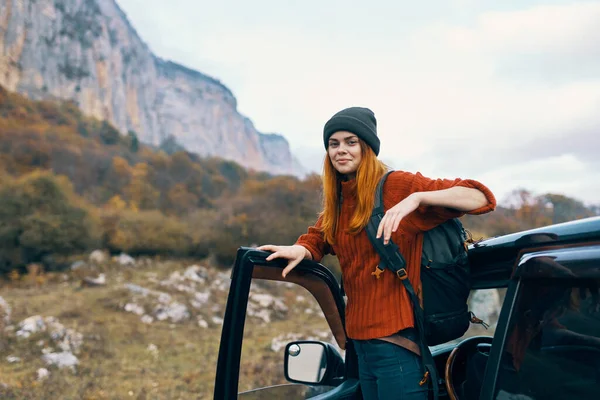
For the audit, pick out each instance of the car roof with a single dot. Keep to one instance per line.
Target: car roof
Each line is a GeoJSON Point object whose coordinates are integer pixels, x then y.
{"type": "Point", "coordinates": [493, 260]}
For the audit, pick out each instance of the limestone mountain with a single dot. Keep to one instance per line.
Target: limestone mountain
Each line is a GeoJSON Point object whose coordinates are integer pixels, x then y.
{"type": "Point", "coordinates": [87, 51]}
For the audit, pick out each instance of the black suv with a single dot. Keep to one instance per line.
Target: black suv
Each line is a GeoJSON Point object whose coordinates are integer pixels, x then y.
{"type": "Point", "coordinates": [546, 344]}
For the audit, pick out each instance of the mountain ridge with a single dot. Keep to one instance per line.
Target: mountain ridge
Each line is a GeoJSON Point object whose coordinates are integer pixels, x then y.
{"type": "Point", "coordinates": [89, 52]}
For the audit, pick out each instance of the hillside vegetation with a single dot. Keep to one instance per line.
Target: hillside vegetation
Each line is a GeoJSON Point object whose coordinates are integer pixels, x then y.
{"type": "Point", "coordinates": [70, 183]}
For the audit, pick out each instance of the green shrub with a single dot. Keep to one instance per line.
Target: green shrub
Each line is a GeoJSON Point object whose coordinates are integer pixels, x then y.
{"type": "Point", "coordinates": [41, 216]}
{"type": "Point", "coordinates": [145, 233]}
{"type": "Point", "coordinates": [109, 135]}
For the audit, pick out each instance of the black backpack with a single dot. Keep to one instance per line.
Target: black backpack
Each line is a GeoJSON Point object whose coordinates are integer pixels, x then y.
{"type": "Point", "coordinates": [445, 282]}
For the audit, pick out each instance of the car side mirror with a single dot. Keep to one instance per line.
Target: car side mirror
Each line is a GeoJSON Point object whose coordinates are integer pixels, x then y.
{"type": "Point", "coordinates": [313, 363]}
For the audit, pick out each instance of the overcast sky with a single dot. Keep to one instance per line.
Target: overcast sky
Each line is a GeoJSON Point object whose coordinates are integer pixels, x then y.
{"type": "Point", "coordinates": [504, 92]}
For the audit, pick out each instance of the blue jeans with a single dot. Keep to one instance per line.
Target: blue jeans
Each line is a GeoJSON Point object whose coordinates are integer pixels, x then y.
{"type": "Point", "coordinates": [388, 372]}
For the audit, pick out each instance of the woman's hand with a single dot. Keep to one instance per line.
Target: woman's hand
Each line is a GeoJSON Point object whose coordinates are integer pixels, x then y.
{"type": "Point", "coordinates": [391, 220]}
{"type": "Point", "coordinates": [294, 254]}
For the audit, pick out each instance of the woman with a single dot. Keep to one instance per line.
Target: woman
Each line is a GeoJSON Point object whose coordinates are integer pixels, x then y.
{"type": "Point", "coordinates": [379, 317]}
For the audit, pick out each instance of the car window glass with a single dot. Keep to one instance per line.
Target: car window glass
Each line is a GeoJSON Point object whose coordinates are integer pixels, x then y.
{"type": "Point", "coordinates": [277, 313]}
{"type": "Point", "coordinates": [552, 350]}
{"type": "Point", "coordinates": [485, 304]}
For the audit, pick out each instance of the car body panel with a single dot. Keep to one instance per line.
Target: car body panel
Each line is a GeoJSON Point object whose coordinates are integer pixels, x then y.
{"type": "Point", "coordinates": [493, 260]}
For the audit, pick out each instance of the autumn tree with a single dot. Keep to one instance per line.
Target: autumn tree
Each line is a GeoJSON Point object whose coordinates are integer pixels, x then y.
{"type": "Point", "coordinates": [133, 141]}
{"type": "Point", "coordinates": [170, 145]}
{"type": "Point", "coordinates": [118, 176]}
{"type": "Point", "coordinates": [530, 211]}
{"type": "Point", "coordinates": [564, 208]}
{"type": "Point", "coordinates": [146, 233]}
{"type": "Point", "coordinates": [109, 135]}
{"type": "Point", "coordinates": [140, 194]}
{"type": "Point", "coordinates": [40, 216]}
{"type": "Point", "coordinates": [272, 211]}
{"type": "Point", "coordinates": [180, 200]}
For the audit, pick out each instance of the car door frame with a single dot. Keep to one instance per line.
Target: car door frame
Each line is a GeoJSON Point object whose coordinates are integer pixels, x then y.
{"type": "Point", "coordinates": [229, 358]}
{"type": "Point", "coordinates": [528, 267]}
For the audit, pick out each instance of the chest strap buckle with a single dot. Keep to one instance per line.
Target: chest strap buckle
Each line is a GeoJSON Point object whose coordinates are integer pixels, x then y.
{"type": "Point", "coordinates": [401, 274]}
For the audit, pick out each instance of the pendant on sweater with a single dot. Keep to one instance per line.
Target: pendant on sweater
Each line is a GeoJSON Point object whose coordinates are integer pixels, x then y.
{"type": "Point", "coordinates": [378, 271]}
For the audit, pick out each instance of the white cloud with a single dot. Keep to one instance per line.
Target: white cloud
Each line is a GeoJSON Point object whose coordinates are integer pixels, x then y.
{"type": "Point", "coordinates": [553, 30]}
{"type": "Point", "coordinates": [561, 174]}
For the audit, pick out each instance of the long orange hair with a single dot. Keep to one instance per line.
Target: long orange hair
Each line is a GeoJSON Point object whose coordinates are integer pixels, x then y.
{"type": "Point", "coordinates": [370, 170]}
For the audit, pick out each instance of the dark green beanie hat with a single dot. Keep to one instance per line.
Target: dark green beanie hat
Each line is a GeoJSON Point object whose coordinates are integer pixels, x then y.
{"type": "Point", "coordinates": [358, 120]}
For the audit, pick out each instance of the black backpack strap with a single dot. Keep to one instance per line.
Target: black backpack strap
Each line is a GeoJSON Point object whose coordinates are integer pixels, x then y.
{"type": "Point", "coordinates": [389, 254]}
{"type": "Point", "coordinates": [394, 261]}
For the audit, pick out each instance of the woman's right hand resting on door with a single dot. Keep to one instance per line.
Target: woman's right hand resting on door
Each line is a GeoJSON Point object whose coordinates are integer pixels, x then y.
{"type": "Point", "coordinates": [294, 254]}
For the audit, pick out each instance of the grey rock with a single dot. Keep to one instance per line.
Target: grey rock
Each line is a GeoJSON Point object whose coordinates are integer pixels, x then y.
{"type": "Point", "coordinates": [137, 289]}
{"type": "Point", "coordinates": [196, 273]}
{"type": "Point", "coordinates": [77, 264]}
{"type": "Point", "coordinates": [266, 307]}
{"type": "Point", "coordinates": [31, 325]}
{"type": "Point", "coordinates": [88, 52]}
{"type": "Point", "coordinates": [98, 257]}
{"type": "Point", "coordinates": [89, 281]}
{"type": "Point", "coordinates": [200, 299]}
{"type": "Point", "coordinates": [134, 308]}
{"type": "Point", "coordinates": [66, 338]}
{"type": "Point", "coordinates": [202, 322]}
{"type": "Point", "coordinates": [5, 312]}
{"type": "Point", "coordinates": [153, 350]}
{"type": "Point", "coordinates": [64, 359]}
{"type": "Point", "coordinates": [42, 374]}
{"type": "Point", "coordinates": [175, 312]}
{"type": "Point", "coordinates": [125, 260]}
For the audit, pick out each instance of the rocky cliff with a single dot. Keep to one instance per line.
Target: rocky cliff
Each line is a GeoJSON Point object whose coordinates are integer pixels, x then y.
{"type": "Point", "coordinates": [87, 51]}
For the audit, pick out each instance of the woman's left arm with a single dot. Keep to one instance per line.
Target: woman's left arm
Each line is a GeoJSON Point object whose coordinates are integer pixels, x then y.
{"type": "Point", "coordinates": [434, 201]}
{"type": "Point", "coordinates": [458, 198]}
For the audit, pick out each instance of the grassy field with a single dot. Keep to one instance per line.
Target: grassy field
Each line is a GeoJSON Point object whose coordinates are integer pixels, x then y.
{"type": "Point", "coordinates": [123, 357]}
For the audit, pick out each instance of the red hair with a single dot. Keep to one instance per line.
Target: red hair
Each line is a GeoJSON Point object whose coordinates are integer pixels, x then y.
{"type": "Point", "coordinates": [368, 174]}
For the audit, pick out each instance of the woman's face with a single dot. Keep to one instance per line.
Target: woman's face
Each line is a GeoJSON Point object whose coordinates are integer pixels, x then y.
{"type": "Point", "coordinates": [345, 152]}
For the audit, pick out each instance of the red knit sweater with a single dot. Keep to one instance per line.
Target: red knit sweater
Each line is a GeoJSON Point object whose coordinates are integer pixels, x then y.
{"type": "Point", "coordinates": [381, 307]}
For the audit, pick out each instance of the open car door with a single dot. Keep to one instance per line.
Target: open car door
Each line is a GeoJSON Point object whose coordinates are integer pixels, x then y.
{"type": "Point", "coordinates": [334, 379]}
